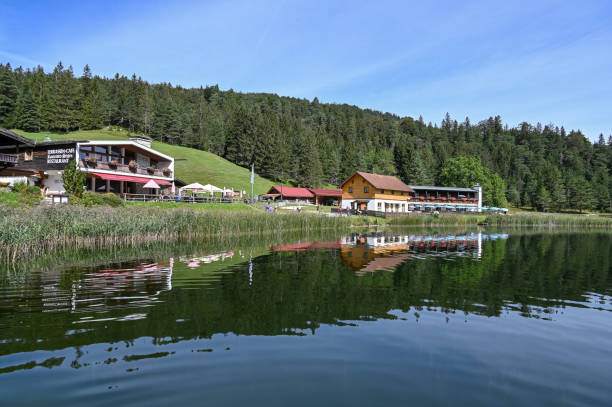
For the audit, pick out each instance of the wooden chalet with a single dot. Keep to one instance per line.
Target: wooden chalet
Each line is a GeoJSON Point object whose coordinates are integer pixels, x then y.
{"type": "Point", "coordinates": [374, 192]}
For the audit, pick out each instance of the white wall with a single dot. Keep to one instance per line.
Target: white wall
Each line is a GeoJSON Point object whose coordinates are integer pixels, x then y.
{"type": "Point", "coordinates": [13, 180]}
{"type": "Point", "coordinates": [373, 204]}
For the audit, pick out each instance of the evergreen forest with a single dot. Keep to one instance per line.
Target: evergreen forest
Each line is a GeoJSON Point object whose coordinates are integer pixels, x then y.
{"type": "Point", "coordinates": [317, 144]}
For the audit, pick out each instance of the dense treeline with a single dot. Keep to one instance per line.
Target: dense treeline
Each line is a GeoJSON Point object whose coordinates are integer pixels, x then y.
{"type": "Point", "coordinates": [313, 143]}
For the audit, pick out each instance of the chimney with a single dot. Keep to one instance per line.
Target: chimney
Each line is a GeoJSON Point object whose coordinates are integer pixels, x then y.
{"type": "Point", "coordinates": [142, 140]}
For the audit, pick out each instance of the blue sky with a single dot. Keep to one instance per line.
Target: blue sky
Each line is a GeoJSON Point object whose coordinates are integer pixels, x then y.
{"type": "Point", "coordinates": [535, 61]}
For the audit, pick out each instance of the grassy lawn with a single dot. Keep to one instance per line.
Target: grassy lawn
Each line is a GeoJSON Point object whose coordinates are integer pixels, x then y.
{"type": "Point", "coordinates": [191, 165]}
{"type": "Point", "coordinates": [224, 207]}
{"type": "Point", "coordinates": [323, 209]}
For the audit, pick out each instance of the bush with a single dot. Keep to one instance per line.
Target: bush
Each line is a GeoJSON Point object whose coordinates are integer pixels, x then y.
{"type": "Point", "coordinates": [20, 187]}
{"type": "Point", "coordinates": [33, 190]}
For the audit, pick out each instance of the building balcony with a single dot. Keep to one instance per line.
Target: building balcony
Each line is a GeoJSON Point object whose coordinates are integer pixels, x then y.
{"type": "Point", "coordinates": [443, 200]}
{"type": "Point", "coordinates": [8, 159]}
{"type": "Point", "coordinates": [123, 169]}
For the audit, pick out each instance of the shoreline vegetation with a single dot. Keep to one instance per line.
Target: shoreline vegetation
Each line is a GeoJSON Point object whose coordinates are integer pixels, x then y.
{"type": "Point", "coordinates": [43, 229]}
{"type": "Point", "coordinates": [24, 232]}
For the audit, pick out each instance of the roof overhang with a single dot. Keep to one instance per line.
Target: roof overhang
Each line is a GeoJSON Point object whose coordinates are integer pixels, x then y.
{"type": "Point", "coordinates": [19, 139]}
{"type": "Point", "coordinates": [127, 178]}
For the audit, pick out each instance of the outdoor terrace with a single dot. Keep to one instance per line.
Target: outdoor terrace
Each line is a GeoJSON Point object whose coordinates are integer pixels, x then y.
{"type": "Point", "coordinates": [124, 168]}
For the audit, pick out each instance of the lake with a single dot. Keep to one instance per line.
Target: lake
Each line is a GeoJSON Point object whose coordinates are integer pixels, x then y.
{"type": "Point", "coordinates": [414, 317]}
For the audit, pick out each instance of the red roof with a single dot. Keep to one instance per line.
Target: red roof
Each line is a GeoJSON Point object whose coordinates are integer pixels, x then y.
{"type": "Point", "coordinates": [291, 192]}
{"type": "Point", "coordinates": [326, 192]}
{"type": "Point", "coordinates": [383, 181]}
{"type": "Point", "coordinates": [140, 180]}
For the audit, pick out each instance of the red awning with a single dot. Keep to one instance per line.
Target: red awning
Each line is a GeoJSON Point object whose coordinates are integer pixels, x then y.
{"type": "Point", "coordinates": [140, 180]}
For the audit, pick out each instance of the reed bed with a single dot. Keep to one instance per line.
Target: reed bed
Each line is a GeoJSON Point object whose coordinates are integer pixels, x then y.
{"type": "Point", "coordinates": [550, 220]}
{"type": "Point", "coordinates": [441, 220]}
{"type": "Point", "coordinates": [522, 220]}
{"type": "Point", "coordinates": [40, 229]}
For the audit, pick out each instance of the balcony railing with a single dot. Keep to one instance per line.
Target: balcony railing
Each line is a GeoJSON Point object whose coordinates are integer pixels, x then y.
{"type": "Point", "coordinates": [455, 201]}
{"type": "Point", "coordinates": [7, 158]}
{"type": "Point", "coordinates": [124, 168]}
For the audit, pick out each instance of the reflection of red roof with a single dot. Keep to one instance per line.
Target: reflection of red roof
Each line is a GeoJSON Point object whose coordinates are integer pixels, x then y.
{"type": "Point", "coordinates": [326, 245]}
{"type": "Point", "coordinates": [299, 247]}
{"type": "Point", "coordinates": [326, 192]}
{"type": "Point", "coordinates": [291, 192]}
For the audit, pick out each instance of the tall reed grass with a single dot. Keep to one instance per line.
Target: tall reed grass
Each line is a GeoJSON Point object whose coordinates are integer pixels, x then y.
{"type": "Point", "coordinates": [527, 220]}
{"type": "Point", "coordinates": [40, 229]}
{"type": "Point", "coordinates": [550, 220]}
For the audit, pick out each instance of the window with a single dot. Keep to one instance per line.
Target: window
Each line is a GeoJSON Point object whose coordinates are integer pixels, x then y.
{"type": "Point", "coordinates": [392, 192]}
{"type": "Point", "coordinates": [27, 155]}
{"type": "Point", "coordinates": [402, 193]}
{"type": "Point", "coordinates": [366, 189]}
{"type": "Point", "coordinates": [350, 190]}
{"type": "Point", "coordinates": [380, 206]}
{"type": "Point", "coordinates": [382, 191]}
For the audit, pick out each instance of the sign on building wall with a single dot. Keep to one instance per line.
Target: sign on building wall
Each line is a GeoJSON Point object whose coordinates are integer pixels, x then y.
{"type": "Point", "coordinates": [60, 155]}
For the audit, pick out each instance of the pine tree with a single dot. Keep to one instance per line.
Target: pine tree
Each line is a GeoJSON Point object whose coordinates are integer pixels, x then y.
{"type": "Point", "coordinates": [543, 200]}
{"type": "Point", "coordinates": [74, 179]}
{"type": "Point", "coordinates": [65, 98]}
{"type": "Point", "coordinates": [28, 119]}
{"type": "Point", "coordinates": [92, 112]}
{"type": "Point", "coordinates": [311, 173]}
{"type": "Point", "coordinates": [8, 96]}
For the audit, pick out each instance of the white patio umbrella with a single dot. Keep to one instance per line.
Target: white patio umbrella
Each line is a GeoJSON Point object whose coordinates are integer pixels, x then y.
{"type": "Point", "coordinates": [210, 187]}
{"type": "Point", "coordinates": [151, 184]}
{"type": "Point", "coordinates": [194, 187]}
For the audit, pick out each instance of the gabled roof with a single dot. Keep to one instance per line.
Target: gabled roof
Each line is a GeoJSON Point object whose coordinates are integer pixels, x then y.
{"type": "Point", "coordinates": [326, 192]}
{"type": "Point", "coordinates": [292, 192]}
{"type": "Point", "coordinates": [389, 182]}
{"type": "Point", "coordinates": [19, 139]}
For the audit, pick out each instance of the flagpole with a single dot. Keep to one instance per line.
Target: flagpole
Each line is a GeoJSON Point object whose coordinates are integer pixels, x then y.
{"type": "Point", "coordinates": [252, 180]}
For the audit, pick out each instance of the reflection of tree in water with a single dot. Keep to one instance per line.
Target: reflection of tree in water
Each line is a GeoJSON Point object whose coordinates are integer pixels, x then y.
{"type": "Point", "coordinates": [294, 292]}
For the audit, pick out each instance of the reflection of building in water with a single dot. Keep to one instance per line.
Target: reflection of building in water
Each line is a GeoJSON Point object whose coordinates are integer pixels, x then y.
{"type": "Point", "coordinates": [300, 247]}
{"type": "Point", "coordinates": [383, 251]}
{"type": "Point", "coordinates": [194, 262]}
{"type": "Point", "coordinates": [101, 290]}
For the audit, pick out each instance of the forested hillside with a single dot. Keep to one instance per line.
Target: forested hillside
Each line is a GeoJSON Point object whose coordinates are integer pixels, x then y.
{"type": "Point", "coordinates": [310, 142]}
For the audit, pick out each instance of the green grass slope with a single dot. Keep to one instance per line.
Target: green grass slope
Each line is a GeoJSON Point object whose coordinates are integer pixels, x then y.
{"type": "Point", "coordinates": [191, 165]}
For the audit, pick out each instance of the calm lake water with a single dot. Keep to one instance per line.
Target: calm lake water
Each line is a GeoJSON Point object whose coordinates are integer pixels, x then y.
{"type": "Point", "coordinates": [447, 318]}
